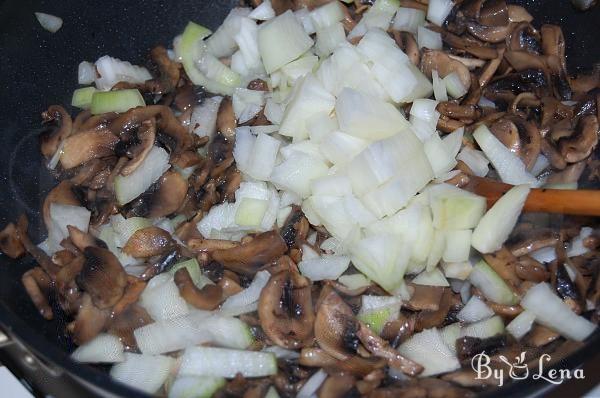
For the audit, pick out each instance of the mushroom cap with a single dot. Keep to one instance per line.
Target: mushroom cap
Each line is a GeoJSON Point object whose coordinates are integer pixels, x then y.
{"type": "Point", "coordinates": [148, 242]}
{"type": "Point", "coordinates": [102, 277]}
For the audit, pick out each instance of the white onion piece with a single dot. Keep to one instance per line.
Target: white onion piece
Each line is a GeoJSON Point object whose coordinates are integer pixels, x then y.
{"type": "Point", "coordinates": [328, 38]}
{"type": "Point", "coordinates": [495, 226]}
{"type": "Point", "coordinates": [455, 86]}
{"type": "Point", "coordinates": [273, 111]}
{"type": "Point", "coordinates": [299, 68]}
{"type": "Point", "coordinates": [438, 11]}
{"type": "Point", "coordinates": [491, 284]}
{"type": "Point", "coordinates": [483, 329]}
{"type": "Point", "coordinates": [439, 87]}
{"type": "Point", "coordinates": [439, 156]}
{"type": "Point", "coordinates": [544, 255]}
{"type": "Point", "coordinates": [552, 312]}
{"type": "Point", "coordinates": [424, 129]}
{"type": "Point", "coordinates": [263, 12]}
{"type": "Point", "coordinates": [428, 39]}
{"type": "Point", "coordinates": [408, 19]}
{"type": "Point", "coordinates": [340, 148]}
{"type": "Point", "coordinates": [465, 292]}
{"type": "Point", "coordinates": [104, 348]}
{"type": "Point", "coordinates": [458, 271]}
{"type": "Point", "coordinates": [222, 42]}
{"type": "Point", "coordinates": [248, 296]}
{"type": "Point", "coordinates": [188, 387]}
{"type": "Point", "coordinates": [508, 165]}
{"type": "Point", "coordinates": [327, 15]}
{"type": "Point", "coordinates": [161, 298]}
{"type": "Point", "coordinates": [475, 310]}
{"type": "Point", "coordinates": [423, 108]}
{"type": "Point", "coordinates": [209, 361]}
{"type": "Point", "coordinates": [450, 334]}
{"type": "Point", "coordinates": [282, 40]}
{"type": "Point", "coordinates": [112, 71]}
{"type": "Point", "coordinates": [521, 325]}
{"type": "Point", "coordinates": [324, 268]}
{"type": "Point", "coordinates": [354, 281]}
{"type": "Point", "coordinates": [62, 216]}
{"type": "Point", "coordinates": [247, 41]}
{"type": "Point", "coordinates": [367, 117]}
{"type": "Point", "coordinates": [475, 160]}
{"type": "Point", "coordinates": [484, 102]}
{"type": "Point", "coordinates": [428, 349]}
{"type": "Point", "coordinates": [541, 164]}
{"type": "Point", "coordinates": [320, 125]}
{"type": "Point", "coordinates": [334, 185]}
{"type": "Point", "coordinates": [308, 253]}
{"type": "Point", "coordinates": [378, 47]}
{"type": "Point", "coordinates": [458, 246]}
{"type": "Point", "coordinates": [296, 173]}
{"type": "Point", "coordinates": [576, 247]}
{"type": "Point", "coordinates": [86, 73]}
{"type": "Point", "coordinates": [310, 387]}
{"type": "Point", "coordinates": [303, 17]}
{"type": "Point", "coordinates": [124, 228]}
{"type": "Point", "coordinates": [49, 22]}
{"type": "Point", "coordinates": [204, 117]}
{"type": "Point", "coordinates": [431, 278]}
{"type": "Point", "coordinates": [282, 353]}
{"type": "Point", "coordinates": [129, 187]}
{"type": "Point", "coordinates": [144, 372]}
{"type": "Point", "coordinates": [247, 103]}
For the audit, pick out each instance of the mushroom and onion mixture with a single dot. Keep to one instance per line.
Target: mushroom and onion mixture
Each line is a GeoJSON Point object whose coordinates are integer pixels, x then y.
{"type": "Point", "coordinates": [325, 198]}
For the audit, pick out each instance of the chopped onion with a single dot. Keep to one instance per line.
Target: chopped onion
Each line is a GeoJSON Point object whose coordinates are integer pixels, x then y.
{"type": "Point", "coordinates": [521, 325]}
{"type": "Point", "coordinates": [143, 372]}
{"type": "Point", "coordinates": [552, 312]}
{"type": "Point", "coordinates": [438, 244]}
{"type": "Point", "coordinates": [408, 19]}
{"type": "Point", "coordinates": [310, 387]}
{"type": "Point", "coordinates": [458, 246]}
{"type": "Point", "coordinates": [282, 353]}
{"type": "Point", "coordinates": [263, 12]}
{"type": "Point", "coordinates": [124, 228]}
{"type": "Point", "coordinates": [247, 41]}
{"type": "Point", "coordinates": [340, 148]}
{"type": "Point", "coordinates": [296, 173]}
{"type": "Point", "coordinates": [299, 68]}
{"type": "Point", "coordinates": [431, 278]}
{"type": "Point", "coordinates": [222, 42]}
{"type": "Point", "coordinates": [273, 111]}
{"type": "Point", "coordinates": [204, 117]}
{"type": "Point", "coordinates": [329, 37]}
{"type": "Point", "coordinates": [49, 22]}
{"type": "Point", "coordinates": [162, 300]}
{"type": "Point", "coordinates": [475, 310]}
{"type": "Point", "coordinates": [327, 15]}
{"type": "Point", "coordinates": [429, 39]}
{"type": "Point", "coordinates": [188, 387]}
{"type": "Point", "coordinates": [62, 216]}
{"type": "Point", "coordinates": [104, 348]}
{"type": "Point", "coordinates": [334, 185]}
{"type": "Point", "coordinates": [576, 247]}
{"type": "Point", "coordinates": [438, 11]}
{"type": "Point", "coordinates": [320, 125]}
{"type": "Point", "coordinates": [475, 160]}
{"type": "Point", "coordinates": [495, 226]}
{"type": "Point", "coordinates": [209, 361]}
{"type": "Point", "coordinates": [247, 103]}
{"type": "Point", "coordinates": [55, 159]}
{"type": "Point", "coordinates": [440, 158]}
{"type": "Point", "coordinates": [86, 73]}
{"type": "Point", "coordinates": [112, 71]}
{"type": "Point", "coordinates": [484, 329]}
{"type": "Point", "coordinates": [324, 268]}
{"type": "Point", "coordinates": [454, 86]}
{"type": "Point", "coordinates": [508, 165]}
{"type": "Point", "coordinates": [450, 334]}
{"type": "Point", "coordinates": [544, 255]}
{"type": "Point", "coordinates": [129, 187]}
{"type": "Point", "coordinates": [354, 281]}
{"type": "Point", "coordinates": [303, 17]}
{"type": "Point", "coordinates": [491, 284]}
{"type": "Point", "coordinates": [82, 98]}
{"type": "Point", "coordinates": [428, 349]}
{"type": "Point", "coordinates": [459, 271]}
{"type": "Point", "coordinates": [282, 40]}
{"type": "Point", "coordinates": [439, 87]}
{"type": "Point", "coordinates": [115, 101]}
{"type": "Point", "coordinates": [248, 296]}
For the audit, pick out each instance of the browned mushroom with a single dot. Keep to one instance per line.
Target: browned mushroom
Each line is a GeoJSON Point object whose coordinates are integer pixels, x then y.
{"type": "Point", "coordinates": [124, 323]}
{"type": "Point", "coordinates": [427, 318]}
{"type": "Point", "coordinates": [467, 347]}
{"type": "Point", "coordinates": [518, 14]}
{"type": "Point", "coordinates": [226, 122]}
{"type": "Point", "coordinates": [146, 135]}
{"type": "Point", "coordinates": [10, 244]}
{"type": "Point", "coordinates": [102, 277]}
{"type": "Point", "coordinates": [89, 322]}
{"type": "Point", "coordinates": [148, 242]}
{"type": "Point", "coordinates": [540, 336]}
{"type": "Point", "coordinates": [337, 386]}
{"type": "Point", "coordinates": [524, 37]}
{"type": "Point", "coordinates": [582, 143]}
{"type": "Point", "coordinates": [61, 194]}
{"type": "Point", "coordinates": [529, 269]}
{"type": "Point", "coordinates": [133, 291]}
{"type": "Point", "coordinates": [493, 13]}
{"type": "Point", "coordinates": [169, 72]}
{"type": "Point", "coordinates": [286, 311]}
{"type": "Point", "coordinates": [82, 240]}
{"type": "Point", "coordinates": [489, 34]}
{"type": "Point", "coordinates": [87, 145]}
{"type": "Point", "coordinates": [38, 254]}
{"type": "Point", "coordinates": [425, 297]}
{"type": "Point", "coordinates": [162, 199]}
{"type": "Point", "coordinates": [249, 257]}
{"type": "Point", "coordinates": [51, 139]}
{"type": "Point", "coordinates": [439, 60]}
{"type": "Point", "coordinates": [472, 47]}
{"type": "Point", "coordinates": [207, 298]}
{"type": "Point", "coordinates": [505, 264]}
{"type": "Point", "coordinates": [37, 284]}
{"type": "Point", "coordinates": [520, 136]}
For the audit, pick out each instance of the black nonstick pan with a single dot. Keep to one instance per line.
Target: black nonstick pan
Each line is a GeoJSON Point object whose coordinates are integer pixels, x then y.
{"type": "Point", "coordinates": [38, 69]}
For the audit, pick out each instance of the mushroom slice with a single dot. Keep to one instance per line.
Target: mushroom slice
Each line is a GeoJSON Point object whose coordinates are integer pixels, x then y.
{"type": "Point", "coordinates": [89, 322]}
{"type": "Point", "coordinates": [440, 61]}
{"type": "Point", "coordinates": [425, 297]}
{"type": "Point", "coordinates": [10, 244]}
{"type": "Point", "coordinates": [169, 72]}
{"type": "Point", "coordinates": [489, 34]}
{"type": "Point", "coordinates": [170, 195]}
{"type": "Point", "coordinates": [148, 242]}
{"type": "Point", "coordinates": [581, 144]}
{"type": "Point", "coordinates": [34, 282]}
{"type": "Point", "coordinates": [207, 298]}
{"type": "Point", "coordinates": [124, 323]}
{"type": "Point", "coordinates": [226, 122]}
{"type": "Point", "coordinates": [337, 386]}
{"type": "Point", "coordinates": [247, 258]}
{"type": "Point", "coordinates": [529, 269]}
{"type": "Point", "coordinates": [286, 311]}
{"type": "Point", "coordinates": [520, 136]}
{"type": "Point", "coordinates": [51, 140]}
{"type": "Point", "coordinates": [524, 37]}
{"type": "Point", "coordinates": [494, 13]}
{"type": "Point", "coordinates": [380, 348]}
{"type": "Point", "coordinates": [518, 14]}
{"type": "Point", "coordinates": [146, 135]}
{"type": "Point", "coordinates": [102, 277]}
{"type": "Point", "coordinates": [87, 145]}
{"type": "Point", "coordinates": [62, 194]}
{"type": "Point", "coordinates": [82, 240]}
{"type": "Point", "coordinates": [467, 347]}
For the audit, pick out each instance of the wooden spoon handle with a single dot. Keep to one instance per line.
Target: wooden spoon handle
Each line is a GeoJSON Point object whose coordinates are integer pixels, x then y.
{"type": "Point", "coordinates": [576, 202]}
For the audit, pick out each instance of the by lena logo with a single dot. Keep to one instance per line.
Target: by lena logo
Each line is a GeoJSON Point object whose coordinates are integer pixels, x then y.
{"type": "Point", "coordinates": [518, 370]}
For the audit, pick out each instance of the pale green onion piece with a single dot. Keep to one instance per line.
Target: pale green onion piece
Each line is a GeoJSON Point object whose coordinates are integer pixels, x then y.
{"type": "Point", "coordinates": [116, 101]}
{"type": "Point", "coordinates": [82, 97]}
{"type": "Point", "coordinates": [251, 212]}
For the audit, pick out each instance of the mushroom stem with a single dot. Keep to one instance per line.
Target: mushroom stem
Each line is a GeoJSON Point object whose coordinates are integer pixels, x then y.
{"type": "Point", "coordinates": [581, 202]}
{"type": "Point", "coordinates": [207, 298]}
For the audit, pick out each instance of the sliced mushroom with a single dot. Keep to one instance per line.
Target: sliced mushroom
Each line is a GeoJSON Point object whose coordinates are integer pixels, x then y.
{"type": "Point", "coordinates": [582, 143]}
{"type": "Point", "coordinates": [540, 336]}
{"type": "Point", "coordinates": [148, 242]}
{"type": "Point", "coordinates": [62, 194]}
{"type": "Point", "coordinates": [489, 34]}
{"type": "Point", "coordinates": [570, 174]}
{"type": "Point", "coordinates": [10, 244]}
{"type": "Point", "coordinates": [87, 145]}
{"type": "Point", "coordinates": [89, 322]}
{"type": "Point", "coordinates": [440, 61]}
{"type": "Point", "coordinates": [286, 311]}
{"type": "Point", "coordinates": [469, 46]}
{"type": "Point", "coordinates": [457, 111]}
{"type": "Point", "coordinates": [34, 282]}
{"type": "Point", "coordinates": [207, 298]}
{"type": "Point", "coordinates": [494, 13]}
{"type": "Point", "coordinates": [226, 121]}
{"type": "Point", "coordinates": [425, 297]}
{"type": "Point", "coordinates": [505, 264]}
{"type": "Point", "coordinates": [529, 269]}
{"type": "Point", "coordinates": [518, 14]}
{"type": "Point", "coordinates": [38, 254]}
{"type": "Point", "coordinates": [133, 291]}
{"type": "Point", "coordinates": [337, 386]}
{"type": "Point", "coordinates": [82, 240]}
{"type": "Point", "coordinates": [524, 37]}
{"type": "Point", "coordinates": [467, 347]}
{"type": "Point", "coordinates": [146, 135]}
{"type": "Point", "coordinates": [51, 140]}
{"type": "Point", "coordinates": [427, 318]}
{"type": "Point", "coordinates": [102, 277]}
{"type": "Point", "coordinates": [520, 136]}
{"type": "Point", "coordinates": [169, 72]}
{"type": "Point", "coordinates": [247, 258]}
{"type": "Point", "coordinates": [162, 199]}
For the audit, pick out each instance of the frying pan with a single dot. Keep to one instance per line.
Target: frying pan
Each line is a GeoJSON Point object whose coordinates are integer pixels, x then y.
{"type": "Point", "coordinates": [39, 69]}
